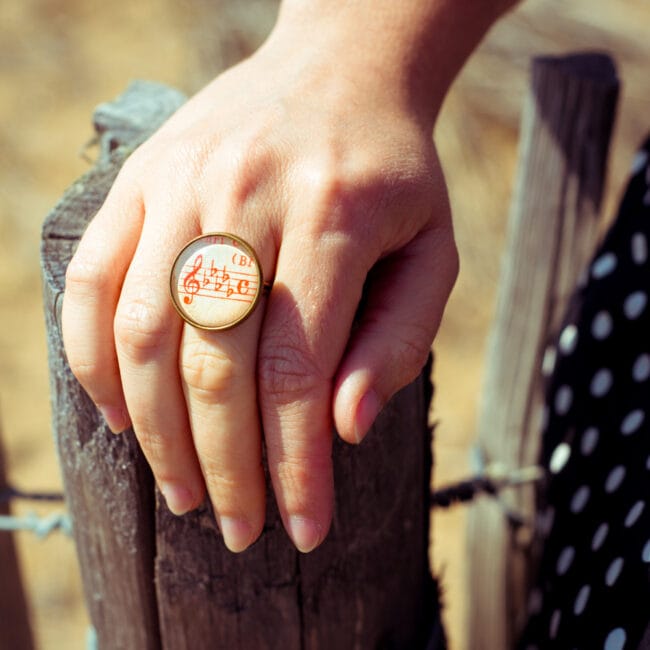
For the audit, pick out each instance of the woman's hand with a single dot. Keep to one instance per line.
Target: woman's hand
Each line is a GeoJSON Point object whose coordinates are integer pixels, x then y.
{"type": "Point", "coordinates": [329, 171]}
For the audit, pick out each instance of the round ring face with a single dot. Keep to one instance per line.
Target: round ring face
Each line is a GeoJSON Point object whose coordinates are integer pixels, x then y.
{"type": "Point", "coordinates": [216, 281]}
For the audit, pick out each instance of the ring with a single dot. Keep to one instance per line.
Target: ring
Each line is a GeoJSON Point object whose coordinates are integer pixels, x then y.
{"type": "Point", "coordinates": [216, 281]}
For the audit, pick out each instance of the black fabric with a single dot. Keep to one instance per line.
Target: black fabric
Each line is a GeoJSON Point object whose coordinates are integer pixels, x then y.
{"type": "Point", "coordinates": [593, 589]}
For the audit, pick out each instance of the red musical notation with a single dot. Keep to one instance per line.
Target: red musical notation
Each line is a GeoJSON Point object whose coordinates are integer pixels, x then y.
{"type": "Point", "coordinates": [223, 282]}
{"type": "Point", "coordinates": [190, 283]}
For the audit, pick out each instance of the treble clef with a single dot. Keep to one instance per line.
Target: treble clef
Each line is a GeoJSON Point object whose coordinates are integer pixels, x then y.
{"type": "Point", "coordinates": [190, 284]}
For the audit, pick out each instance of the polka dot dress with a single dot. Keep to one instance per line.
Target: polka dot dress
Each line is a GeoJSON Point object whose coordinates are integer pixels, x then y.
{"type": "Point", "coordinates": [593, 588]}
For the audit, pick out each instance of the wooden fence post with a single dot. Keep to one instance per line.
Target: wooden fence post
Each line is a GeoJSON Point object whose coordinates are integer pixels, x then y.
{"type": "Point", "coordinates": [566, 129]}
{"type": "Point", "coordinates": [15, 632]}
{"type": "Point", "coordinates": [153, 580]}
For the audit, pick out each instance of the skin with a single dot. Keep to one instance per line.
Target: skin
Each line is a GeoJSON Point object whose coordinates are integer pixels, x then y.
{"type": "Point", "coordinates": [317, 151]}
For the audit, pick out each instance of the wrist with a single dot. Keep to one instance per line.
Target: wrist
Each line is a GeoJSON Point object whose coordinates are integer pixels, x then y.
{"type": "Point", "coordinates": [410, 49]}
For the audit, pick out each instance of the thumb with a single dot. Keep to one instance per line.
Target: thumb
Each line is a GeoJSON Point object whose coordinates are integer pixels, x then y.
{"type": "Point", "coordinates": [407, 293]}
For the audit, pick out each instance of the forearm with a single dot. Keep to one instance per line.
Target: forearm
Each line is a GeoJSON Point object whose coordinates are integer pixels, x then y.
{"type": "Point", "coordinates": [415, 46]}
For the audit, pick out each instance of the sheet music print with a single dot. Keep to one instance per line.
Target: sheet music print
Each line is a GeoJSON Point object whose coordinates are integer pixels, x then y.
{"type": "Point", "coordinates": [203, 278]}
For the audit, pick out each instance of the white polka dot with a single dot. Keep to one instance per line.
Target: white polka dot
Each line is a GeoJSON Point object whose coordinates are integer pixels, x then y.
{"type": "Point", "coordinates": [548, 361]}
{"type": "Point", "coordinates": [579, 499]}
{"type": "Point", "coordinates": [615, 639]}
{"type": "Point", "coordinates": [564, 560]}
{"type": "Point", "coordinates": [581, 600]}
{"type": "Point", "coordinates": [614, 479]}
{"type": "Point", "coordinates": [613, 571]}
{"type": "Point", "coordinates": [604, 265]}
{"type": "Point", "coordinates": [645, 553]}
{"type": "Point", "coordinates": [568, 339]}
{"type": "Point", "coordinates": [641, 367]}
{"type": "Point", "coordinates": [647, 463]}
{"type": "Point", "coordinates": [535, 602]}
{"type": "Point", "coordinates": [639, 162]}
{"type": "Point", "coordinates": [632, 421]}
{"type": "Point", "coordinates": [635, 304]}
{"type": "Point", "coordinates": [601, 383]}
{"type": "Point", "coordinates": [559, 457]}
{"type": "Point", "coordinates": [554, 624]}
{"type": "Point", "coordinates": [599, 536]}
{"type": "Point", "coordinates": [601, 326]}
{"type": "Point", "coordinates": [639, 246]}
{"type": "Point", "coordinates": [589, 440]}
{"type": "Point", "coordinates": [633, 515]}
{"type": "Point", "coordinates": [563, 399]}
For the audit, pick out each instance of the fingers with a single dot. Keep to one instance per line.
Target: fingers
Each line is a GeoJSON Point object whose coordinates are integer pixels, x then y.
{"type": "Point", "coordinates": [218, 370]}
{"type": "Point", "coordinates": [93, 283]}
{"type": "Point", "coordinates": [407, 296]}
{"type": "Point", "coordinates": [147, 335]}
{"type": "Point", "coordinates": [305, 331]}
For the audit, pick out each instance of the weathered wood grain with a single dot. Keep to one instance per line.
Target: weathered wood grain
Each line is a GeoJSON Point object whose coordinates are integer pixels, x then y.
{"type": "Point", "coordinates": [108, 485]}
{"type": "Point", "coordinates": [368, 586]}
{"type": "Point", "coordinates": [553, 228]}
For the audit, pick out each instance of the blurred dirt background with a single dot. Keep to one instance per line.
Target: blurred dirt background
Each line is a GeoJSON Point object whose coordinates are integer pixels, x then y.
{"type": "Point", "coordinates": [59, 58]}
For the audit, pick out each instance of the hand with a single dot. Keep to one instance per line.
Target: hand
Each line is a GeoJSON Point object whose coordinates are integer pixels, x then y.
{"type": "Point", "coordinates": [333, 178]}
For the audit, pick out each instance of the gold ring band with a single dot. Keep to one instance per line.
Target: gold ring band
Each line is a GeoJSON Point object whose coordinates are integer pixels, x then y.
{"type": "Point", "coordinates": [216, 281]}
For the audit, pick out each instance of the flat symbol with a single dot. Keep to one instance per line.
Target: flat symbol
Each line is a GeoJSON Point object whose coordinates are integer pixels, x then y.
{"type": "Point", "coordinates": [216, 281]}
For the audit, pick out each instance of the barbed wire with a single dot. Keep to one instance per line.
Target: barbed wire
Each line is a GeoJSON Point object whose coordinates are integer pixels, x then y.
{"type": "Point", "coordinates": [10, 493]}
{"type": "Point", "coordinates": [491, 481]}
{"type": "Point", "coordinates": [41, 526]}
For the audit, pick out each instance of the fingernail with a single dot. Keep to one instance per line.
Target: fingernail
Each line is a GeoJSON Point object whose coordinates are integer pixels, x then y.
{"type": "Point", "coordinates": [305, 533]}
{"type": "Point", "coordinates": [117, 418]}
{"type": "Point", "coordinates": [236, 533]}
{"type": "Point", "coordinates": [179, 499]}
{"type": "Point", "coordinates": [367, 412]}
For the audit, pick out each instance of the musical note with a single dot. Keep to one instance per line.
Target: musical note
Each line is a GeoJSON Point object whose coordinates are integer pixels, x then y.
{"type": "Point", "coordinates": [190, 284]}
{"type": "Point", "coordinates": [224, 280]}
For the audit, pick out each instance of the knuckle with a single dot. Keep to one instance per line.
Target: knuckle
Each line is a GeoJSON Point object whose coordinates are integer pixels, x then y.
{"type": "Point", "coordinates": [207, 370]}
{"type": "Point", "coordinates": [287, 372]}
{"type": "Point", "coordinates": [221, 485]}
{"type": "Point", "coordinates": [346, 196]}
{"type": "Point", "coordinates": [292, 475]}
{"type": "Point", "coordinates": [414, 352]}
{"type": "Point", "coordinates": [153, 447]}
{"type": "Point", "coordinates": [300, 476]}
{"type": "Point", "coordinates": [248, 162]}
{"type": "Point", "coordinates": [87, 274]}
{"type": "Point", "coordinates": [140, 329]}
{"type": "Point", "coordinates": [332, 196]}
{"type": "Point", "coordinates": [86, 371]}
{"type": "Point", "coordinates": [138, 161]}
{"type": "Point", "coordinates": [216, 477]}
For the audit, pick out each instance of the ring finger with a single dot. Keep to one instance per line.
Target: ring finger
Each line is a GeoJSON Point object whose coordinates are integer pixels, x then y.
{"type": "Point", "coordinates": [218, 371]}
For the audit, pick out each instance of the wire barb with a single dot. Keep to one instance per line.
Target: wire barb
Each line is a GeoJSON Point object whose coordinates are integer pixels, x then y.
{"type": "Point", "coordinates": [40, 526]}
{"type": "Point", "coordinates": [491, 480]}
